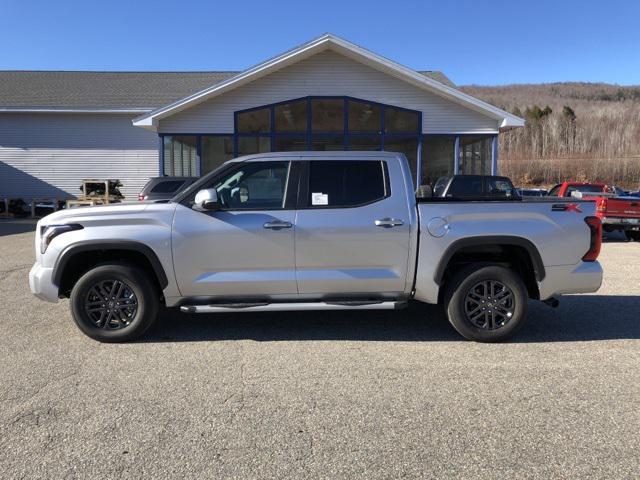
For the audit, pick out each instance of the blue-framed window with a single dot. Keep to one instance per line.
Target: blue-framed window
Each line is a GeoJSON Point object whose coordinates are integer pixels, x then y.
{"type": "Point", "coordinates": [331, 123]}
{"type": "Point", "coordinates": [307, 123]}
{"type": "Point", "coordinates": [448, 154]}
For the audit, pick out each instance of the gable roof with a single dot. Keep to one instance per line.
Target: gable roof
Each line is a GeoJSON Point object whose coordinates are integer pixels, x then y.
{"type": "Point", "coordinates": [135, 92]}
{"type": "Point", "coordinates": [348, 49]}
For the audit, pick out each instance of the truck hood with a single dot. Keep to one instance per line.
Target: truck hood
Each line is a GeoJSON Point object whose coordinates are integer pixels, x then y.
{"type": "Point", "coordinates": [70, 215]}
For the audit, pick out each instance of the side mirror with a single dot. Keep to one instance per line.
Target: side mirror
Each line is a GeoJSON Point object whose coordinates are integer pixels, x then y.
{"type": "Point", "coordinates": [206, 200]}
{"type": "Point", "coordinates": [424, 191]}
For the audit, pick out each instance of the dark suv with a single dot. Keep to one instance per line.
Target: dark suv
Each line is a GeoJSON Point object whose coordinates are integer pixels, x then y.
{"type": "Point", "coordinates": [474, 186]}
{"type": "Point", "coordinates": [164, 188]}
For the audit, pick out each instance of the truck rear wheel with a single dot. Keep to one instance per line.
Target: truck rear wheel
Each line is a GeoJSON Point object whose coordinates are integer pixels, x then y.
{"type": "Point", "coordinates": [114, 303]}
{"type": "Point", "coordinates": [632, 235]}
{"type": "Point", "coordinates": [486, 303]}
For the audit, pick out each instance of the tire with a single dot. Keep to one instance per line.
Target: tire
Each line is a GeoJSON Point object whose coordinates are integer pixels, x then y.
{"type": "Point", "coordinates": [123, 318]}
{"type": "Point", "coordinates": [632, 235]}
{"type": "Point", "coordinates": [470, 289]}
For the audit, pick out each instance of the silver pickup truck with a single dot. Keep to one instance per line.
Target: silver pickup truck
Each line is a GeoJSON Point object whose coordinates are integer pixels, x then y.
{"type": "Point", "coordinates": [315, 231]}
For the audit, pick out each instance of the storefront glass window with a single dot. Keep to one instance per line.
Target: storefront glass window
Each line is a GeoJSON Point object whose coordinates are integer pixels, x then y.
{"type": "Point", "coordinates": [254, 121]}
{"type": "Point", "coordinates": [290, 143]}
{"type": "Point", "coordinates": [214, 151]}
{"type": "Point", "coordinates": [406, 145]}
{"type": "Point", "coordinates": [397, 120]}
{"type": "Point", "coordinates": [180, 154]}
{"type": "Point", "coordinates": [250, 145]}
{"type": "Point", "coordinates": [290, 117]}
{"type": "Point", "coordinates": [327, 115]}
{"type": "Point", "coordinates": [327, 142]}
{"type": "Point", "coordinates": [475, 155]}
{"type": "Point", "coordinates": [438, 155]}
{"type": "Point", "coordinates": [365, 142]}
{"type": "Point", "coordinates": [364, 117]}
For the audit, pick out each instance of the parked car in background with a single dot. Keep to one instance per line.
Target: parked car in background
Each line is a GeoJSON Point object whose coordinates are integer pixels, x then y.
{"type": "Point", "coordinates": [619, 191]}
{"type": "Point", "coordinates": [531, 192]}
{"type": "Point", "coordinates": [474, 186]}
{"type": "Point", "coordinates": [620, 213]}
{"type": "Point", "coordinates": [362, 242]}
{"type": "Point", "coordinates": [164, 188]}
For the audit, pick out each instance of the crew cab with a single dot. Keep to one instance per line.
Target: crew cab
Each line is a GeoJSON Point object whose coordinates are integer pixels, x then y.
{"type": "Point", "coordinates": [315, 231]}
{"type": "Point", "coordinates": [616, 212]}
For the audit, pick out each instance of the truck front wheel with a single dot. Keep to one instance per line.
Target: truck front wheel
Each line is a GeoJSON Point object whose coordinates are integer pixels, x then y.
{"type": "Point", "coordinates": [114, 302]}
{"type": "Point", "coordinates": [486, 303]}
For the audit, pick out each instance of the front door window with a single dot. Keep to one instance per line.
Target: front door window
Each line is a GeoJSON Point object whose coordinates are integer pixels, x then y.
{"type": "Point", "coordinates": [254, 186]}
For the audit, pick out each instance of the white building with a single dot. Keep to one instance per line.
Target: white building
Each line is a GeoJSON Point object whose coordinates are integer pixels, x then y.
{"type": "Point", "coordinates": [57, 128]}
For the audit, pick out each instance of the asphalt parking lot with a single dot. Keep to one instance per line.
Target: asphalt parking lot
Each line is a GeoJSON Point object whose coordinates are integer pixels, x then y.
{"type": "Point", "coordinates": [321, 395]}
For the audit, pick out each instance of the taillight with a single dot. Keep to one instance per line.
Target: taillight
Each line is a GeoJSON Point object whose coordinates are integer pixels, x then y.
{"type": "Point", "coordinates": [142, 197]}
{"type": "Point", "coordinates": [595, 227]}
{"type": "Point", "coordinates": [602, 205]}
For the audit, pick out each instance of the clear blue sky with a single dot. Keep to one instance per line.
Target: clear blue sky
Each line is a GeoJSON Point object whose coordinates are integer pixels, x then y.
{"type": "Point", "coordinates": [492, 42]}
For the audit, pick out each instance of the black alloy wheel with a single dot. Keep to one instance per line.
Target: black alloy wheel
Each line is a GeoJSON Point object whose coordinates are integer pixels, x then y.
{"type": "Point", "coordinates": [489, 305]}
{"type": "Point", "coordinates": [111, 304]}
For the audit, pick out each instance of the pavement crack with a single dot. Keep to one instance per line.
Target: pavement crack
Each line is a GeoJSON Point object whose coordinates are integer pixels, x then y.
{"type": "Point", "coordinates": [5, 273]}
{"type": "Point", "coordinates": [242, 387]}
{"type": "Point", "coordinates": [30, 395]}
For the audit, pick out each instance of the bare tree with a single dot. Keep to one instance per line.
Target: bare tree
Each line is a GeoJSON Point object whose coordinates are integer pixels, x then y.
{"type": "Point", "coordinates": [584, 131]}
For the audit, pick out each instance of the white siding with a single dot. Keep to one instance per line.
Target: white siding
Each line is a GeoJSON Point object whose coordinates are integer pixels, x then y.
{"type": "Point", "coordinates": [329, 73]}
{"type": "Point", "coordinates": [50, 154]}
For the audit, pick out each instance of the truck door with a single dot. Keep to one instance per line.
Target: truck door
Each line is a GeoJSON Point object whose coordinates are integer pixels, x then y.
{"type": "Point", "coordinates": [246, 248]}
{"type": "Point", "coordinates": [352, 227]}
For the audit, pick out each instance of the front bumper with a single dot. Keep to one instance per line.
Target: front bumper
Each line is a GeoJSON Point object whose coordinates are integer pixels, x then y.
{"type": "Point", "coordinates": [41, 284]}
{"type": "Point", "coordinates": [586, 277]}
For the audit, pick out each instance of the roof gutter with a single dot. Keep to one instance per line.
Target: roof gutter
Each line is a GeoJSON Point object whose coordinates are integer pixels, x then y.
{"type": "Point", "coordinates": [74, 110]}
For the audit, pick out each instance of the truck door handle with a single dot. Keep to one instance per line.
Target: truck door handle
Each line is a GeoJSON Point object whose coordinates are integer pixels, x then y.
{"type": "Point", "coordinates": [277, 225]}
{"type": "Point", "coordinates": [388, 222]}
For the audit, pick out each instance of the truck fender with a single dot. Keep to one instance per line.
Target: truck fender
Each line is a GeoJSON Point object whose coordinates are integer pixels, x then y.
{"type": "Point", "coordinates": [69, 252]}
{"type": "Point", "coordinates": [534, 254]}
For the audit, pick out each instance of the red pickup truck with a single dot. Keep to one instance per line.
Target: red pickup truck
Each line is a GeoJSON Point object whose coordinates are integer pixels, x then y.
{"type": "Point", "coordinates": [616, 213]}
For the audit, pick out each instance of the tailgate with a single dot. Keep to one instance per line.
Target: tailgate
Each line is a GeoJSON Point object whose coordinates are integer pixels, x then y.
{"type": "Point", "coordinates": [621, 207]}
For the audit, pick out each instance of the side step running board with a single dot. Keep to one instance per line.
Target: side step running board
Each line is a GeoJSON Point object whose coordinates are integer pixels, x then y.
{"type": "Point", "coordinates": [293, 306]}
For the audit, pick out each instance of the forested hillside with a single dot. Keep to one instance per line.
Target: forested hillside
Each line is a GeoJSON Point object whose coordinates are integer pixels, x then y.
{"type": "Point", "coordinates": [582, 131]}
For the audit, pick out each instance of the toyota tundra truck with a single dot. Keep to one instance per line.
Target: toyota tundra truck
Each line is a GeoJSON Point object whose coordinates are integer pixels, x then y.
{"type": "Point", "coordinates": [315, 231]}
{"type": "Point", "coordinates": [616, 212]}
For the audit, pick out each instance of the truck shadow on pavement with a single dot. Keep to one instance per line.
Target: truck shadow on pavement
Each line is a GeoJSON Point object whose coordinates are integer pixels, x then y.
{"type": "Point", "coordinates": [14, 227]}
{"type": "Point", "coordinates": [579, 318]}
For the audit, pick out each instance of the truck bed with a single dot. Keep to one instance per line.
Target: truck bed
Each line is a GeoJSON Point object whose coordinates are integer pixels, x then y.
{"type": "Point", "coordinates": [444, 222]}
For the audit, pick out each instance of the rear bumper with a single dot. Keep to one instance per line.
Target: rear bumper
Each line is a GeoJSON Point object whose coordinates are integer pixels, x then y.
{"type": "Point", "coordinates": [41, 284]}
{"type": "Point", "coordinates": [621, 222]}
{"type": "Point", "coordinates": [586, 277]}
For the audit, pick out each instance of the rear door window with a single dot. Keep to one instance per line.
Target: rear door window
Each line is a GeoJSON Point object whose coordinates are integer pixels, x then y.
{"type": "Point", "coordinates": [335, 184]}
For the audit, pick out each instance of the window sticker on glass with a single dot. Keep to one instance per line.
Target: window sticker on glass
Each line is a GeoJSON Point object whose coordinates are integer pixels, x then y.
{"type": "Point", "coordinates": [319, 198]}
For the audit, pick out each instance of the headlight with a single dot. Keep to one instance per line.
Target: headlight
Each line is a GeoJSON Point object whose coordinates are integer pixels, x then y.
{"type": "Point", "coordinates": [49, 232]}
